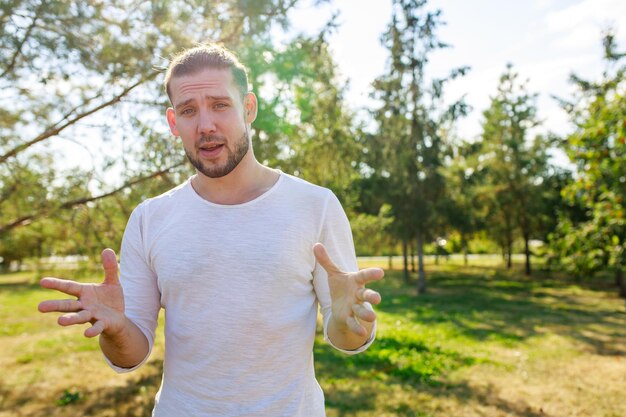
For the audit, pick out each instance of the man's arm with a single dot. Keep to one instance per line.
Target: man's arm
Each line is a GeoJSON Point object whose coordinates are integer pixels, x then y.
{"type": "Point", "coordinates": [126, 349]}
{"type": "Point", "coordinates": [102, 305]}
{"type": "Point", "coordinates": [351, 322]}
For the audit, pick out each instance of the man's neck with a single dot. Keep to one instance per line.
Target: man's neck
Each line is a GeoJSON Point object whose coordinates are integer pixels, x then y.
{"type": "Point", "coordinates": [246, 182]}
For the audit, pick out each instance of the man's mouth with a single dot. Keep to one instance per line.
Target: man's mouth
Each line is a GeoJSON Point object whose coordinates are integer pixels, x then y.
{"type": "Point", "coordinates": [209, 150]}
{"type": "Point", "coordinates": [210, 146]}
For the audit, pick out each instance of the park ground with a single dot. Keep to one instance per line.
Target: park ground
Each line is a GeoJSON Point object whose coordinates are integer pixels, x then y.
{"type": "Point", "coordinates": [483, 341]}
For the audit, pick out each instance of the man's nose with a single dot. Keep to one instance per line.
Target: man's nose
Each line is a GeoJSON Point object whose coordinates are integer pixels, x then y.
{"type": "Point", "coordinates": [206, 123]}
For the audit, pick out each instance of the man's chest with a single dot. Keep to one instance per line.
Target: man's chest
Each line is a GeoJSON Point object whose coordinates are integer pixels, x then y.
{"type": "Point", "coordinates": [234, 253]}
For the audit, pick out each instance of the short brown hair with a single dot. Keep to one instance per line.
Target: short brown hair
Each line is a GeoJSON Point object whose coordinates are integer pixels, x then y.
{"type": "Point", "coordinates": [209, 55]}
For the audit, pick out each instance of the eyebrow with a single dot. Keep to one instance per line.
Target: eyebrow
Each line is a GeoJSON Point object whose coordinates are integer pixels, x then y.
{"type": "Point", "coordinates": [212, 98]}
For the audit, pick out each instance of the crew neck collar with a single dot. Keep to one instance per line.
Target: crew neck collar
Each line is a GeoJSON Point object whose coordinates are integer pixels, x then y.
{"type": "Point", "coordinates": [261, 197]}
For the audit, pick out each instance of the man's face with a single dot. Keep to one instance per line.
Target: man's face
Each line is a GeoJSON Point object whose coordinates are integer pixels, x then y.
{"type": "Point", "coordinates": [212, 120]}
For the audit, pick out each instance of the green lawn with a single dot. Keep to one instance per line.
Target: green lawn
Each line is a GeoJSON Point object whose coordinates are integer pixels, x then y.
{"type": "Point", "coordinates": [481, 342]}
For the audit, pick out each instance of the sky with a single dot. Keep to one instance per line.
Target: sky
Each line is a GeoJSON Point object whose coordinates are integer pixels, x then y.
{"type": "Point", "coordinates": [545, 40]}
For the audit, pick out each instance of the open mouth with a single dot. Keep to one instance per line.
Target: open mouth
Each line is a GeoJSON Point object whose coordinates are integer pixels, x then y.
{"type": "Point", "coordinates": [210, 149]}
{"type": "Point", "coordinates": [211, 146]}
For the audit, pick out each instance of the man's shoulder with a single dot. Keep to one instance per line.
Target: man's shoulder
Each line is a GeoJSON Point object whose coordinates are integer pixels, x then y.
{"type": "Point", "coordinates": [299, 185]}
{"type": "Point", "coordinates": [164, 200]}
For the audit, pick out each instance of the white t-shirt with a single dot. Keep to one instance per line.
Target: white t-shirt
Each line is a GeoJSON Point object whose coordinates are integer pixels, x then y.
{"type": "Point", "coordinates": [240, 287]}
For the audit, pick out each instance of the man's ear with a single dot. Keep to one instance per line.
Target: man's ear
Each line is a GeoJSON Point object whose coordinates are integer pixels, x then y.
{"type": "Point", "coordinates": [171, 120]}
{"type": "Point", "coordinates": [250, 107]}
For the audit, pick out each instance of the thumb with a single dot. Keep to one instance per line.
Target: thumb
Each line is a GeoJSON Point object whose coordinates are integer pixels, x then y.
{"type": "Point", "coordinates": [109, 263]}
{"type": "Point", "coordinates": [319, 250]}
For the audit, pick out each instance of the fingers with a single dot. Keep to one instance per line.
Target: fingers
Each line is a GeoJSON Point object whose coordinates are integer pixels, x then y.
{"type": "Point", "coordinates": [365, 276]}
{"type": "Point", "coordinates": [95, 330]}
{"type": "Point", "coordinates": [324, 260]}
{"type": "Point", "coordinates": [365, 294]}
{"type": "Point", "coordinates": [355, 326]}
{"type": "Point", "coordinates": [63, 285]}
{"type": "Point", "coordinates": [363, 313]}
{"type": "Point", "coordinates": [63, 306]}
{"type": "Point", "coordinates": [109, 263]}
{"type": "Point", "coordinates": [81, 317]}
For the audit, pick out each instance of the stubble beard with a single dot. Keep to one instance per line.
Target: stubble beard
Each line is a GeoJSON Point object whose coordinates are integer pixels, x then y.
{"type": "Point", "coordinates": [234, 157]}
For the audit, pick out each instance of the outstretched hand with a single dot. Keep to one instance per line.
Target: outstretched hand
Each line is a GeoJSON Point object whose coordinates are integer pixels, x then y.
{"type": "Point", "coordinates": [348, 293]}
{"type": "Point", "coordinates": [102, 305]}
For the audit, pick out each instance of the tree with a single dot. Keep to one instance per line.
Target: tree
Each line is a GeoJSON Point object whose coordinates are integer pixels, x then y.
{"type": "Point", "coordinates": [304, 126]}
{"type": "Point", "coordinates": [371, 234]}
{"type": "Point", "coordinates": [461, 204]}
{"type": "Point", "coordinates": [90, 72]}
{"type": "Point", "coordinates": [515, 167]}
{"type": "Point", "coordinates": [407, 151]}
{"type": "Point", "coordinates": [82, 71]}
{"type": "Point", "coordinates": [597, 241]}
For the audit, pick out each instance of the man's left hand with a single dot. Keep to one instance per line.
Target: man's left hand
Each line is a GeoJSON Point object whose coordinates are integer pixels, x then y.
{"type": "Point", "coordinates": [348, 293]}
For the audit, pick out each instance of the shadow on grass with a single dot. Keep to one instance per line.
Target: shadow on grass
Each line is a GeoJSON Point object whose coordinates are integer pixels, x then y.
{"type": "Point", "coordinates": [489, 397]}
{"type": "Point", "coordinates": [396, 358]}
{"type": "Point", "coordinates": [19, 286]}
{"type": "Point", "coordinates": [483, 305]}
{"type": "Point", "coordinates": [486, 397]}
{"type": "Point", "coordinates": [402, 356]}
{"type": "Point", "coordinates": [499, 307]}
{"type": "Point", "coordinates": [135, 399]}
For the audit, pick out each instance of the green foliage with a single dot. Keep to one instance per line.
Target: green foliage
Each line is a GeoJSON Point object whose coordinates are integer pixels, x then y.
{"type": "Point", "coordinates": [304, 127]}
{"type": "Point", "coordinates": [69, 397]}
{"type": "Point", "coordinates": [405, 155]}
{"type": "Point", "coordinates": [90, 73]}
{"type": "Point", "coordinates": [518, 193]}
{"type": "Point", "coordinates": [461, 206]}
{"type": "Point", "coordinates": [597, 240]}
{"type": "Point", "coordinates": [371, 232]}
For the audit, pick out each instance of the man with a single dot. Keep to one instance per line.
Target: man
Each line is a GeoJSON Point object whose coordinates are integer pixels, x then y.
{"type": "Point", "coordinates": [232, 255]}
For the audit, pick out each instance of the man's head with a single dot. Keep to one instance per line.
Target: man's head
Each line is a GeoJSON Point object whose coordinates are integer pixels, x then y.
{"type": "Point", "coordinates": [205, 56]}
{"type": "Point", "coordinates": [212, 109]}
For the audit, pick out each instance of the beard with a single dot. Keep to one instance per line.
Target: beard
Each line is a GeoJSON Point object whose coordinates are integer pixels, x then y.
{"type": "Point", "coordinates": [234, 156]}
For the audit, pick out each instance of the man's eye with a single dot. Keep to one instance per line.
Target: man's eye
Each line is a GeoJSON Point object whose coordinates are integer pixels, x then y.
{"type": "Point", "coordinates": [186, 111]}
{"type": "Point", "coordinates": [221, 105]}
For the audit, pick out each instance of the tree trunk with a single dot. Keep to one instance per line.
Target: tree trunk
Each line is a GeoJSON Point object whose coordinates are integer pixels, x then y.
{"type": "Point", "coordinates": [509, 252]}
{"type": "Point", "coordinates": [620, 281]}
{"type": "Point", "coordinates": [527, 252]}
{"type": "Point", "coordinates": [509, 243]}
{"type": "Point", "coordinates": [412, 252]}
{"type": "Point", "coordinates": [421, 276]}
{"type": "Point", "coordinates": [405, 274]}
{"type": "Point", "coordinates": [390, 267]}
{"type": "Point", "coordinates": [464, 244]}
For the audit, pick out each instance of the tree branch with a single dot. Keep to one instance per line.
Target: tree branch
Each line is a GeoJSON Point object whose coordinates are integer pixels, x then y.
{"type": "Point", "coordinates": [60, 126]}
{"type": "Point", "coordinates": [29, 218]}
{"type": "Point", "coordinates": [18, 50]}
{"type": "Point", "coordinates": [4, 196]}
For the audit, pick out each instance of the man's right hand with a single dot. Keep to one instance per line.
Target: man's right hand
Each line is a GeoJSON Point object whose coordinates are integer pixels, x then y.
{"type": "Point", "coordinates": [102, 305]}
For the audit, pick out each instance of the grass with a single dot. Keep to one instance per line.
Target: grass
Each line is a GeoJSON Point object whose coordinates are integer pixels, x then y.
{"type": "Point", "coordinates": [485, 342]}
{"type": "Point", "coordinates": [481, 342]}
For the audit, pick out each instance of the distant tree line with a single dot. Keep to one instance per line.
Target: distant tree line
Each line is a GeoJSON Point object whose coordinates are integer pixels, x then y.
{"type": "Point", "coordinates": [91, 73]}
